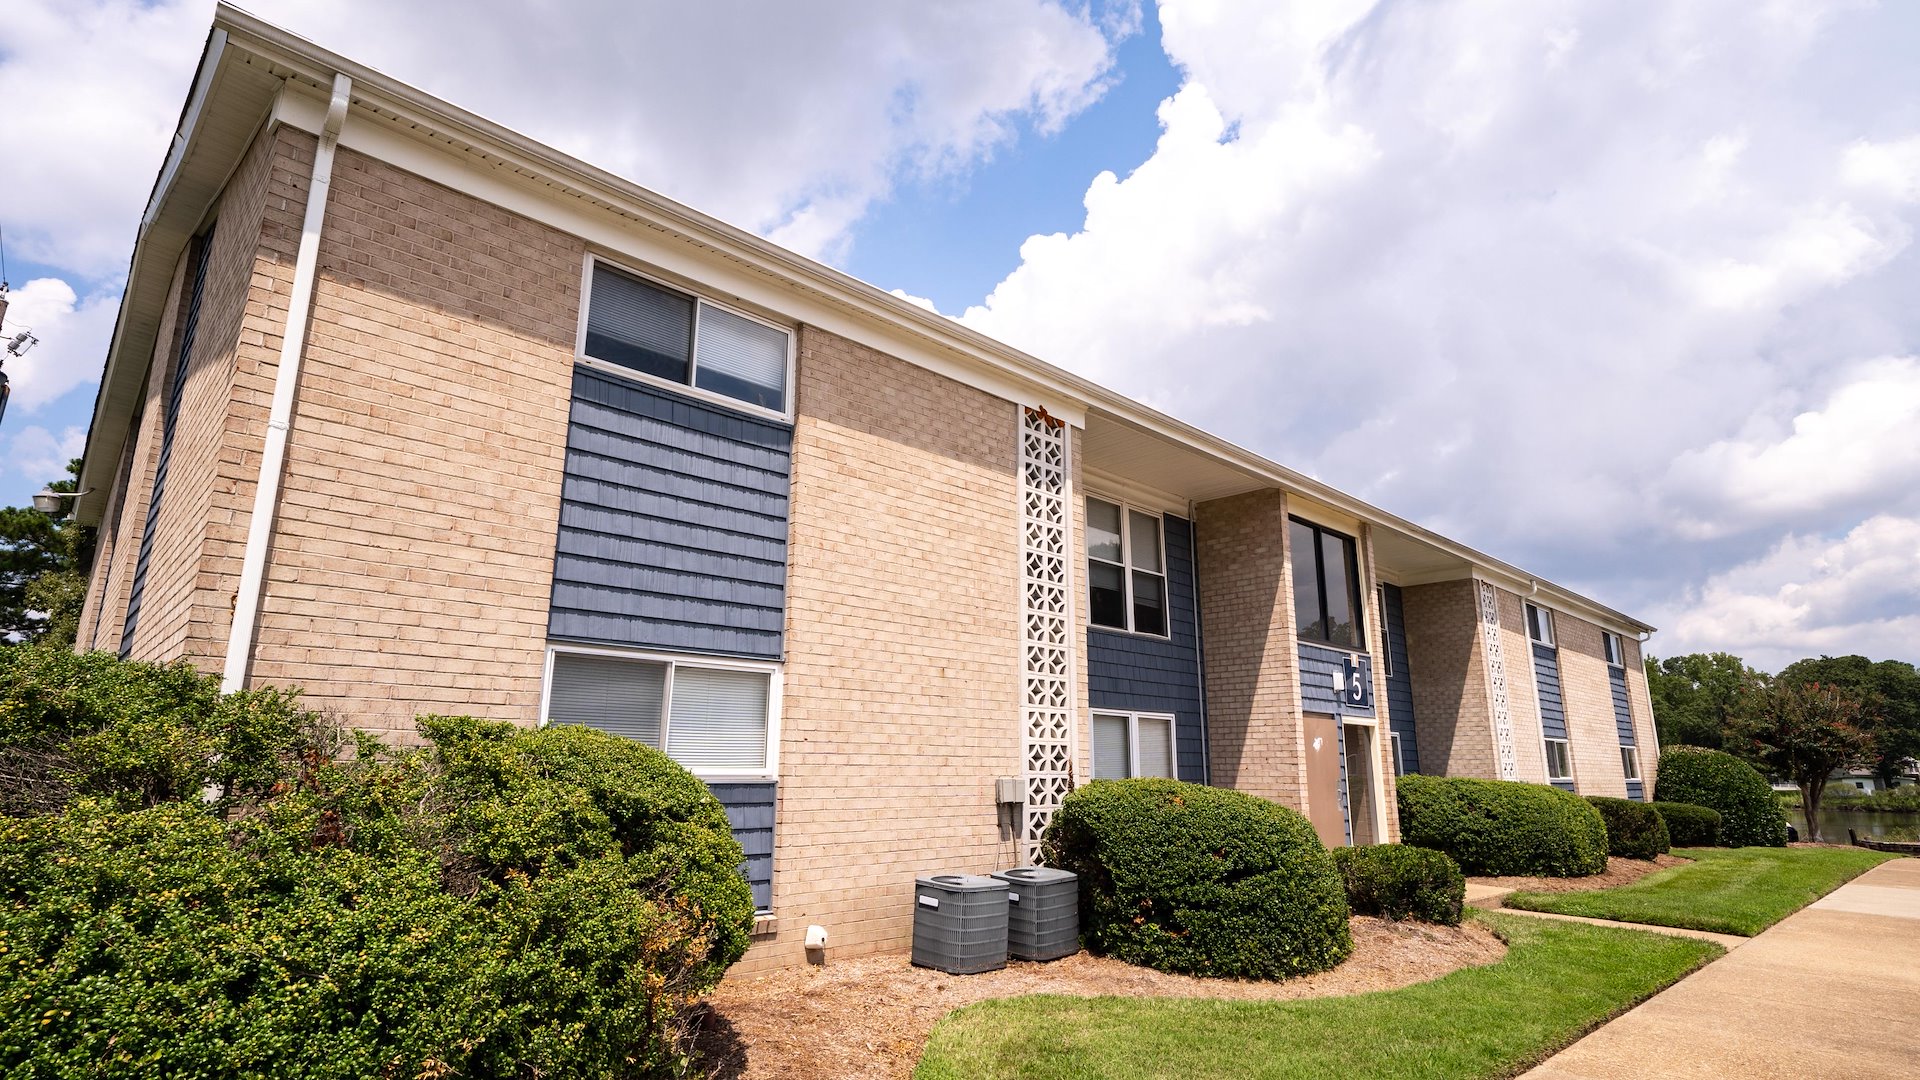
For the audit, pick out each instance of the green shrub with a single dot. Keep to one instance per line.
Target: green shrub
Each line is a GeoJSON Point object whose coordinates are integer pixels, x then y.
{"type": "Point", "coordinates": [1200, 880]}
{"type": "Point", "coordinates": [1500, 827]}
{"type": "Point", "coordinates": [1399, 881]}
{"type": "Point", "coordinates": [1750, 815]}
{"type": "Point", "coordinates": [1689, 825]}
{"type": "Point", "coordinates": [501, 902]}
{"type": "Point", "coordinates": [1634, 829]}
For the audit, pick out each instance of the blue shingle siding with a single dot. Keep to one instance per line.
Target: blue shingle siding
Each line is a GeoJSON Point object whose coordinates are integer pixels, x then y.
{"type": "Point", "coordinates": [1400, 718]}
{"type": "Point", "coordinates": [1623, 721]}
{"type": "Point", "coordinates": [750, 812]}
{"type": "Point", "coordinates": [1134, 673]}
{"type": "Point", "coordinates": [673, 523]}
{"type": "Point", "coordinates": [1553, 712]}
{"type": "Point", "coordinates": [1319, 667]}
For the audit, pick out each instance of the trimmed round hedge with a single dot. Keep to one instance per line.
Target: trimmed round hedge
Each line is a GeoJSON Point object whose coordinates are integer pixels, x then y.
{"type": "Point", "coordinates": [1750, 813]}
{"type": "Point", "coordinates": [1689, 825]}
{"type": "Point", "coordinates": [1501, 827]}
{"type": "Point", "coordinates": [1635, 830]}
{"type": "Point", "coordinates": [1199, 880]}
{"type": "Point", "coordinates": [1400, 881]}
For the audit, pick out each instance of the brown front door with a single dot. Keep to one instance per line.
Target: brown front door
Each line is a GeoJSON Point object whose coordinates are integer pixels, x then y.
{"type": "Point", "coordinates": [1360, 765]}
{"type": "Point", "coordinates": [1323, 780]}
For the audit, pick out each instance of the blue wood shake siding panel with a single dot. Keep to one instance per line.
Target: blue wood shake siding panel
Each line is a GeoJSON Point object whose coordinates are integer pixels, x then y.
{"type": "Point", "coordinates": [1400, 718]}
{"type": "Point", "coordinates": [750, 812]}
{"type": "Point", "coordinates": [673, 523]}
{"type": "Point", "coordinates": [1320, 668]}
{"type": "Point", "coordinates": [1623, 720]}
{"type": "Point", "coordinates": [1546, 679]}
{"type": "Point", "coordinates": [1134, 673]}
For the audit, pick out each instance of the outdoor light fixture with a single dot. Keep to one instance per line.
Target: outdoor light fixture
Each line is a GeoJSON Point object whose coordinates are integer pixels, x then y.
{"type": "Point", "coordinates": [51, 502]}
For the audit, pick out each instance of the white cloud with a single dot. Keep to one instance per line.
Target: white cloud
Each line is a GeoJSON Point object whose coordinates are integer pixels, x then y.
{"type": "Point", "coordinates": [72, 337]}
{"type": "Point", "coordinates": [1809, 595]}
{"type": "Point", "coordinates": [38, 456]}
{"type": "Point", "coordinates": [1890, 169]}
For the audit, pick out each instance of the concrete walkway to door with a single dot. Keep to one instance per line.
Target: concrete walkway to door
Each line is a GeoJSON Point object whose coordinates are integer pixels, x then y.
{"type": "Point", "coordinates": [1831, 991]}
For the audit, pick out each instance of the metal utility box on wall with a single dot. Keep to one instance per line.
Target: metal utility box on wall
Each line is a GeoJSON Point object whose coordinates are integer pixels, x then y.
{"type": "Point", "coordinates": [1043, 912]}
{"type": "Point", "coordinates": [960, 923]}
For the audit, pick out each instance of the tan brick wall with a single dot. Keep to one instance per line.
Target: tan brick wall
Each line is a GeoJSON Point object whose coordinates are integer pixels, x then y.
{"type": "Point", "coordinates": [902, 683]}
{"type": "Point", "coordinates": [412, 561]}
{"type": "Point", "coordinates": [1587, 690]}
{"type": "Point", "coordinates": [1523, 695]}
{"type": "Point", "coordinates": [1448, 667]}
{"type": "Point", "coordinates": [1251, 659]}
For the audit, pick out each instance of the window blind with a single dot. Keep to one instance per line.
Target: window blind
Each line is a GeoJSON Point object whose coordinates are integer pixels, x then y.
{"type": "Point", "coordinates": [1110, 753]}
{"type": "Point", "coordinates": [719, 719]}
{"type": "Point", "coordinates": [636, 325]}
{"type": "Point", "coordinates": [1156, 747]}
{"type": "Point", "coordinates": [619, 696]}
{"type": "Point", "coordinates": [741, 358]}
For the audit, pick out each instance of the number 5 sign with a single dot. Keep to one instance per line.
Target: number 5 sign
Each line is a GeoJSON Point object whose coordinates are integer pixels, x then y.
{"type": "Point", "coordinates": [1356, 682]}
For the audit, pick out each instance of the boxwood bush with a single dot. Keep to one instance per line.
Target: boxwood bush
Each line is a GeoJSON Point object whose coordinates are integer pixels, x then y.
{"type": "Point", "coordinates": [1635, 830]}
{"type": "Point", "coordinates": [1400, 881]}
{"type": "Point", "coordinates": [1689, 825]}
{"type": "Point", "coordinates": [1501, 827]}
{"type": "Point", "coordinates": [497, 903]}
{"type": "Point", "coordinates": [1199, 880]}
{"type": "Point", "coordinates": [1750, 813]}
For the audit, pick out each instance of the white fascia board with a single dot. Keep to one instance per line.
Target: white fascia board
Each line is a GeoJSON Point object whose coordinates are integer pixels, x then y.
{"type": "Point", "coordinates": [1558, 598]}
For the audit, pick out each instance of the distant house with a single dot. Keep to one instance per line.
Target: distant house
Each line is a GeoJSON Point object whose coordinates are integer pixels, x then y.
{"type": "Point", "coordinates": [413, 412]}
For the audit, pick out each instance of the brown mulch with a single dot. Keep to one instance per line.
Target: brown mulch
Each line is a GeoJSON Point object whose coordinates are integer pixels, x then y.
{"type": "Point", "coordinates": [870, 1016]}
{"type": "Point", "coordinates": [1619, 872]}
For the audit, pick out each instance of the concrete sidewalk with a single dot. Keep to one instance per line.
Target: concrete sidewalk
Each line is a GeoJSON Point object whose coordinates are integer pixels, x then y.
{"type": "Point", "coordinates": [1832, 991]}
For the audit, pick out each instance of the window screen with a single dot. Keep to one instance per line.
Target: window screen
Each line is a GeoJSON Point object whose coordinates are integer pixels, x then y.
{"type": "Point", "coordinates": [1112, 757]}
{"type": "Point", "coordinates": [741, 358]}
{"type": "Point", "coordinates": [615, 695]}
{"type": "Point", "coordinates": [1156, 746]}
{"type": "Point", "coordinates": [635, 325]}
{"type": "Point", "coordinates": [719, 719]}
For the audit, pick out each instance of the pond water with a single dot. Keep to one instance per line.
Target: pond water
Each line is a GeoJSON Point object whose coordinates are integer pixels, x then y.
{"type": "Point", "coordinates": [1835, 823]}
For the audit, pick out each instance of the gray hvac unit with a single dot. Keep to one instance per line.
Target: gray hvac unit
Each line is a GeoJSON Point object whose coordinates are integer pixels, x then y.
{"type": "Point", "coordinates": [1043, 912]}
{"type": "Point", "coordinates": [960, 923]}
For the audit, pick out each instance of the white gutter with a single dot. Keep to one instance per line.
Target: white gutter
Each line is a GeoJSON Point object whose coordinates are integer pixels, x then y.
{"type": "Point", "coordinates": [273, 455]}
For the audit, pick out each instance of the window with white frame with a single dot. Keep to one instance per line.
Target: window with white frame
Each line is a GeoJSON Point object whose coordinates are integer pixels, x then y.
{"type": "Point", "coordinates": [1540, 624]}
{"type": "Point", "coordinates": [1614, 648]}
{"type": "Point", "coordinates": [713, 717]}
{"type": "Point", "coordinates": [1132, 744]}
{"type": "Point", "coordinates": [1126, 569]}
{"type": "Point", "coordinates": [1559, 760]}
{"type": "Point", "coordinates": [1386, 639]}
{"type": "Point", "coordinates": [672, 337]}
{"type": "Point", "coordinates": [1630, 762]}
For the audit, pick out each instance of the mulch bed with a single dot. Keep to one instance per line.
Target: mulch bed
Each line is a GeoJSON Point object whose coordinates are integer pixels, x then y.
{"type": "Point", "coordinates": [1619, 872]}
{"type": "Point", "coordinates": [870, 1016]}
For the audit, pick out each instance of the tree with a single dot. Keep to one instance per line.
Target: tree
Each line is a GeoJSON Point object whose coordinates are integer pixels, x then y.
{"type": "Point", "coordinates": [1695, 696]}
{"type": "Point", "coordinates": [1802, 732]}
{"type": "Point", "coordinates": [43, 577]}
{"type": "Point", "coordinates": [1890, 690]}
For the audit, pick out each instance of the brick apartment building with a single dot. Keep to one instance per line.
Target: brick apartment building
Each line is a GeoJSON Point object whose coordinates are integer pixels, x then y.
{"type": "Point", "coordinates": [421, 416]}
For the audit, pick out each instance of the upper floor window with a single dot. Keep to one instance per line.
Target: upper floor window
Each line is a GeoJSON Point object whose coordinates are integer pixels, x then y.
{"type": "Point", "coordinates": [1326, 586]}
{"type": "Point", "coordinates": [711, 716]}
{"type": "Point", "coordinates": [1126, 569]}
{"type": "Point", "coordinates": [675, 338]}
{"type": "Point", "coordinates": [1539, 624]}
{"type": "Point", "coordinates": [1616, 652]}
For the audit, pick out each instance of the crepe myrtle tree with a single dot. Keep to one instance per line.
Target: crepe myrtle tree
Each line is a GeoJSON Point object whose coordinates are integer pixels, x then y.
{"type": "Point", "coordinates": [1802, 732]}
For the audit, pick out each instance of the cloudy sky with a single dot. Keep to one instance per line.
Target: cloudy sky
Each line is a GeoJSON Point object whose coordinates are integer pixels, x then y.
{"type": "Point", "coordinates": [1626, 293]}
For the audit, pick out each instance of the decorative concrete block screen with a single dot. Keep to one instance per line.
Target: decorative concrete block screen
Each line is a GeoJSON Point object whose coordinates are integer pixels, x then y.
{"type": "Point", "coordinates": [1046, 620]}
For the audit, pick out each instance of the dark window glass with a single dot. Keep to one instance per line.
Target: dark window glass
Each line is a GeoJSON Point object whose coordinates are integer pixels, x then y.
{"type": "Point", "coordinates": [1306, 582]}
{"type": "Point", "coordinates": [1149, 603]}
{"type": "Point", "coordinates": [1336, 571]}
{"type": "Point", "coordinates": [1106, 595]}
{"type": "Point", "coordinates": [635, 325]}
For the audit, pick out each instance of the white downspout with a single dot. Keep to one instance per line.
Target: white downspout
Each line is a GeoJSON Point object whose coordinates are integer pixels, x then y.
{"type": "Point", "coordinates": [273, 455]}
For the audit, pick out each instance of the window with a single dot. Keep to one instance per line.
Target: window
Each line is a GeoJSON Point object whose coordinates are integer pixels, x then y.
{"type": "Point", "coordinates": [1126, 569]}
{"type": "Point", "coordinates": [1540, 624]}
{"type": "Point", "coordinates": [1616, 653]}
{"type": "Point", "coordinates": [1399, 763]}
{"type": "Point", "coordinates": [1386, 639]}
{"type": "Point", "coordinates": [1326, 586]}
{"type": "Point", "coordinates": [1630, 762]}
{"type": "Point", "coordinates": [1559, 760]}
{"type": "Point", "coordinates": [674, 338]}
{"type": "Point", "coordinates": [1132, 744]}
{"type": "Point", "coordinates": [712, 717]}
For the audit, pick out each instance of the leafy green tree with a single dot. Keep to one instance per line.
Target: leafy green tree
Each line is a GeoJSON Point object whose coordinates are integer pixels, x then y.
{"type": "Point", "coordinates": [1890, 692]}
{"type": "Point", "coordinates": [43, 578]}
{"type": "Point", "coordinates": [1802, 732]}
{"type": "Point", "coordinates": [1695, 696]}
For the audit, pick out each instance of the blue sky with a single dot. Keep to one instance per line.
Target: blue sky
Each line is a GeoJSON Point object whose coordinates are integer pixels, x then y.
{"type": "Point", "coordinates": [1622, 293]}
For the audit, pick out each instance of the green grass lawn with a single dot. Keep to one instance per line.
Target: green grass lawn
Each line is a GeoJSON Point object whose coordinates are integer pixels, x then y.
{"type": "Point", "coordinates": [1558, 981]}
{"type": "Point", "coordinates": [1728, 890]}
